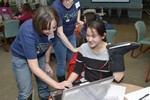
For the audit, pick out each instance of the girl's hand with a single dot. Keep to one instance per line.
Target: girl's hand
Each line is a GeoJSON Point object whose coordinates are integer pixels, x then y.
{"type": "Point", "coordinates": [64, 85]}
{"type": "Point", "coordinates": [81, 22]}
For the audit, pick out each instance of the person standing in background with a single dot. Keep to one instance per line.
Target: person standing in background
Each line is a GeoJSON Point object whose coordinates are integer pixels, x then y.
{"type": "Point", "coordinates": [69, 13]}
{"type": "Point", "coordinates": [31, 53]}
{"type": "Point", "coordinates": [5, 8]}
{"type": "Point", "coordinates": [94, 56]}
{"type": "Point", "coordinates": [26, 13]}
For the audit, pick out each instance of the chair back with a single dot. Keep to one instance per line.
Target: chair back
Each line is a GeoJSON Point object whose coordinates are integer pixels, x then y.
{"type": "Point", "coordinates": [141, 30]}
{"type": "Point", "coordinates": [89, 10]}
{"type": "Point", "coordinates": [110, 35]}
{"type": "Point", "coordinates": [124, 12]}
{"type": "Point", "coordinates": [114, 12]}
{"type": "Point", "coordinates": [106, 11]}
{"type": "Point", "coordinates": [11, 28]}
{"type": "Point", "coordinates": [106, 16]}
{"type": "Point", "coordinates": [6, 17]}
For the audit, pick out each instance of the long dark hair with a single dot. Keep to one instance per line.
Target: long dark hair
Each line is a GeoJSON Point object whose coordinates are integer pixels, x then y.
{"type": "Point", "coordinates": [90, 16]}
{"type": "Point", "coordinates": [99, 26]}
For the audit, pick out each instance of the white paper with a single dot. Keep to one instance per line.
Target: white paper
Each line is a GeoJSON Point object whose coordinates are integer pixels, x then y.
{"type": "Point", "coordinates": [136, 95]}
{"type": "Point", "coordinates": [117, 92]}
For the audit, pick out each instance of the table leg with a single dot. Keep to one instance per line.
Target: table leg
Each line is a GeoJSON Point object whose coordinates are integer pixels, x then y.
{"type": "Point", "coordinates": [148, 74]}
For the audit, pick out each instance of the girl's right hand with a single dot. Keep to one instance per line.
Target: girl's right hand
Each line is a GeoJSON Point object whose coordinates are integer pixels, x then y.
{"type": "Point", "coordinates": [64, 85]}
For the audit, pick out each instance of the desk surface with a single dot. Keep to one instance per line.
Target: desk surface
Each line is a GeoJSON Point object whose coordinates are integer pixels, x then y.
{"type": "Point", "coordinates": [129, 87]}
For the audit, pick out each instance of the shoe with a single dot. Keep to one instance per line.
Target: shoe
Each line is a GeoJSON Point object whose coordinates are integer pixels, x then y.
{"type": "Point", "coordinates": [61, 78]}
{"type": "Point", "coordinates": [116, 54]}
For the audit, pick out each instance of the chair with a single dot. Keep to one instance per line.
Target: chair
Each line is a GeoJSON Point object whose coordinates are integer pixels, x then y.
{"type": "Point", "coordinates": [114, 15]}
{"type": "Point", "coordinates": [89, 10]}
{"type": "Point", "coordinates": [83, 8]}
{"type": "Point", "coordinates": [10, 30]}
{"type": "Point", "coordinates": [98, 10]}
{"type": "Point", "coordinates": [124, 17]}
{"type": "Point", "coordinates": [110, 35]}
{"type": "Point", "coordinates": [148, 74]}
{"type": "Point", "coordinates": [6, 17]}
{"type": "Point", "coordinates": [141, 37]}
{"type": "Point", "coordinates": [106, 17]}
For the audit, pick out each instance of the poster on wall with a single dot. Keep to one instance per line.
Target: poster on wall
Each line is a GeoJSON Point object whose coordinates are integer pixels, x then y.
{"type": "Point", "coordinates": [117, 1]}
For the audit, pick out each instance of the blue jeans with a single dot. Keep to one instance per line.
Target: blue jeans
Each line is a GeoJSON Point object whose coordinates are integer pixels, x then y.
{"type": "Point", "coordinates": [62, 52]}
{"type": "Point", "coordinates": [23, 77]}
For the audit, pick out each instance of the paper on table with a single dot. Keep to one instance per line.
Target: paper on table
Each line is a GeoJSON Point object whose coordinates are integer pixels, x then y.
{"type": "Point", "coordinates": [116, 91]}
{"type": "Point", "coordinates": [136, 95]}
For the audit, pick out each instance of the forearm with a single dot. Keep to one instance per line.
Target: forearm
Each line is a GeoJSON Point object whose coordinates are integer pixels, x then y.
{"type": "Point", "coordinates": [43, 76]}
{"type": "Point", "coordinates": [78, 18]}
{"type": "Point", "coordinates": [79, 15]}
{"type": "Point", "coordinates": [65, 40]}
{"type": "Point", "coordinates": [73, 77]}
{"type": "Point", "coordinates": [33, 64]}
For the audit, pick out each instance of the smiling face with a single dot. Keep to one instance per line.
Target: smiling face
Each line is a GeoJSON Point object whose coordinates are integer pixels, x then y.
{"type": "Point", "coordinates": [93, 38]}
{"type": "Point", "coordinates": [50, 28]}
{"type": "Point", "coordinates": [20, 9]}
{"type": "Point", "coordinates": [68, 3]}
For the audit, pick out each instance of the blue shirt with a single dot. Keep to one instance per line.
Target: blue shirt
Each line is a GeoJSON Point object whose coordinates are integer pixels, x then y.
{"type": "Point", "coordinates": [68, 17]}
{"type": "Point", "coordinates": [29, 44]}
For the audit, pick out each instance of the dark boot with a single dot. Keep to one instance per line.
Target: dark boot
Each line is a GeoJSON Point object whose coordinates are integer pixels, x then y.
{"type": "Point", "coordinates": [61, 78]}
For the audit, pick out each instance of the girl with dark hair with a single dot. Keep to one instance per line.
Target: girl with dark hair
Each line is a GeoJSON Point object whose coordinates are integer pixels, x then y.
{"type": "Point", "coordinates": [26, 13]}
{"type": "Point", "coordinates": [18, 13]}
{"type": "Point", "coordinates": [93, 56]}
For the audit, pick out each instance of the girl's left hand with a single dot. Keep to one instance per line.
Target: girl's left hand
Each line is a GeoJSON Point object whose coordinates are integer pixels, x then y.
{"type": "Point", "coordinates": [81, 22]}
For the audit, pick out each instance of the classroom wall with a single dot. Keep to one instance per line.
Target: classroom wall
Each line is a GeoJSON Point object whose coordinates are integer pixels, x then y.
{"type": "Point", "coordinates": [134, 6]}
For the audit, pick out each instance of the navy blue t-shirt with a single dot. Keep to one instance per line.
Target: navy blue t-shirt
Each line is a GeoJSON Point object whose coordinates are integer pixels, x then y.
{"type": "Point", "coordinates": [28, 43]}
{"type": "Point", "coordinates": [68, 17]}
